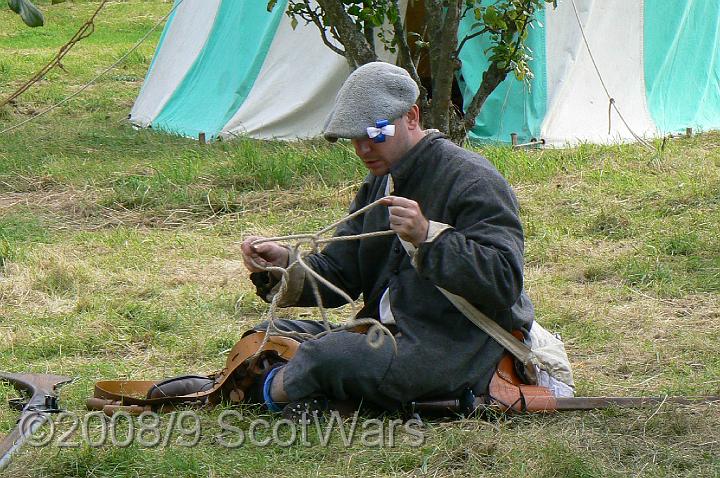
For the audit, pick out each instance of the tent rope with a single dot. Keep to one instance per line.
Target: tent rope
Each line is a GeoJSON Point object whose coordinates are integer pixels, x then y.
{"type": "Point", "coordinates": [376, 333]}
{"type": "Point", "coordinates": [612, 103]}
{"type": "Point", "coordinates": [92, 81]}
{"type": "Point", "coordinates": [87, 29]}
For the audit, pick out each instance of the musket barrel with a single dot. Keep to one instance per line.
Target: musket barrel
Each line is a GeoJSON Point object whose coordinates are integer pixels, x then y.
{"type": "Point", "coordinates": [592, 403]}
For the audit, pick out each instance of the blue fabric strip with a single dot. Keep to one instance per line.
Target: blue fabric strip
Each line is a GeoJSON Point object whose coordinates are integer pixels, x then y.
{"type": "Point", "coordinates": [271, 405]}
{"type": "Point", "coordinates": [682, 63]}
{"type": "Point", "coordinates": [224, 72]}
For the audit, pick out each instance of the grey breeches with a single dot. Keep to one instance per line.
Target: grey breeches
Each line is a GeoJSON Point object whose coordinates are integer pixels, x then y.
{"type": "Point", "coordinates": [340, 365]}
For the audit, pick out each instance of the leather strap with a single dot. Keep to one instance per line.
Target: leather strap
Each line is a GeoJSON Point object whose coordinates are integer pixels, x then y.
{"type": "Point", "coordinates": [516, 347]}
{"type": "Point", "coordinates": [237, 375]}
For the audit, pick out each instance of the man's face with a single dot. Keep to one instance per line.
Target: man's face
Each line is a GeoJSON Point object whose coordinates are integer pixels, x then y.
{"type": "Point", "coordinates": [380, 157]}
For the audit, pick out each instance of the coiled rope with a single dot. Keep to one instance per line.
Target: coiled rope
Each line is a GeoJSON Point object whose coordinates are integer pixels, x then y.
{"type": "Point", "coordinates": [377, 332]}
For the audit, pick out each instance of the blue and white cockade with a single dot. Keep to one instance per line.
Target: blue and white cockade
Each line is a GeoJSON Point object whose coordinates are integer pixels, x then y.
{"type": "Point", "coordinates": [381, 129]}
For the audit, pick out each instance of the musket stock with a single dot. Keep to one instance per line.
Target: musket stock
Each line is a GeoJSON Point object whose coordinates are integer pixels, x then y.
{"type": "Point", "coordinates": [43, 392]}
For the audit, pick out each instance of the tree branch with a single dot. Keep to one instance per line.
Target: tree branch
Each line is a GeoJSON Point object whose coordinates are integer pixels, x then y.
{"type": "Point", "coordinates": [490, 80]}
{"type": "Point", "coordinates": [357, 50]}
{"type": "Point", "coordinates": [465, 12]}
{"type": "Point", "coordinates": [469, 37]}
{"type": "Point", "coordinates": [404, 55]}
{"type": "Point", "coordinates": [520, 35]}
{"type": "Point", "coordinates": [311, 15]}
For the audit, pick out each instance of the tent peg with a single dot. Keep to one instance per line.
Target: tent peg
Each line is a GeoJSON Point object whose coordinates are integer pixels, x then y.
{"type": "Point", "coordinates": [534, 142]}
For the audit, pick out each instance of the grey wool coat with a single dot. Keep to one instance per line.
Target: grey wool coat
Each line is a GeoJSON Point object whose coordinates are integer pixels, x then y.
{"type": "Point", "coordinates": [440, 352]}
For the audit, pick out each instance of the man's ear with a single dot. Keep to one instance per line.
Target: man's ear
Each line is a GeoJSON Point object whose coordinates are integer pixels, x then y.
{"type": "Point", "coordinates": [413, 118]}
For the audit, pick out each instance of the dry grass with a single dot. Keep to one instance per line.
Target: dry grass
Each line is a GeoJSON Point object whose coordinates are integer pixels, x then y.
{"type": "Point", "coordinates": [119, 257]}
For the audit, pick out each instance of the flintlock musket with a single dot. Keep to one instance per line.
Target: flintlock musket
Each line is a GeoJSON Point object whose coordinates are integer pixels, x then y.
{"type": "Point", "coordinates": [43, 392]}
{"type": "Point", "coordinates": [507, 393]}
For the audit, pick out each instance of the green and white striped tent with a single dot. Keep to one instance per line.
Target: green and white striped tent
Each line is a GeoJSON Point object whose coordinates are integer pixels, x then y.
{"type": "Point", "coordinates": [228, 67]}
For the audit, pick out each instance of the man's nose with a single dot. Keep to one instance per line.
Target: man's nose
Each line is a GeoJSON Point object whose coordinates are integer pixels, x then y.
{"type": "Point", "coordinates": [362, 146]}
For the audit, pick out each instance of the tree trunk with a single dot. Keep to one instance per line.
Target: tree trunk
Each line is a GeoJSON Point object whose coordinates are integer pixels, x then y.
{"type": "Point", "coordinates": [442, 28]}
{"type": "Point", "coordinates": [405, 60]}
{"type": "Point", "coordinates": [357, 50]}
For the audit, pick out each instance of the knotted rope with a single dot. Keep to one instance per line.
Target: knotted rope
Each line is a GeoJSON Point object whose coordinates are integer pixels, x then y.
{"type": "Point", "coordinates": [376, 333]}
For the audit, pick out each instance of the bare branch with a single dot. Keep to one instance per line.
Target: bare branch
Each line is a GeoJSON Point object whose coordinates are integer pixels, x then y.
{"type": "Point", "coordinates": [490, 80]}
{"type": "Point", "coordinates": [465, 12]}
{"type": "Point", "coordinates": [405, 56]}
{"type": "Point", "coordinates": [357, 49]}
{"type": "Point", "coordinates": [317, 20]}
{"type": "Point", "coordinates": [469, 37]}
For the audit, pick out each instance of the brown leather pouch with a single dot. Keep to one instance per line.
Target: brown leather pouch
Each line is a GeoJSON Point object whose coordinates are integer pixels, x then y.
{"type": "Point", "coordinates": [244, 364]}
{"type": "Point", "coordinates": [183, 385]}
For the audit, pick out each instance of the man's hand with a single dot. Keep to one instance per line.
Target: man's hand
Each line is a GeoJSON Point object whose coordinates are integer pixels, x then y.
{"type": "Point", "coordinates": [267, 254]}
{"type": "Point", "coordinates": [406, 219]}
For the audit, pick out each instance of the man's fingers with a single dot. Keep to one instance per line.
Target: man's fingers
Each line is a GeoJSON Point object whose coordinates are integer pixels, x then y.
{"type": "Point", "coordinates": [261, 248]}
{"type": "Point", "coordinates": [397, 201]}
{"type": "Point", "coordinates": [399, 211]}
{"type": "Point", "coordinates": [252, 254]}
{"type": "Point", "coordinates": [249, 264]}
{"type": "Point", "coordinates": [247, 245]}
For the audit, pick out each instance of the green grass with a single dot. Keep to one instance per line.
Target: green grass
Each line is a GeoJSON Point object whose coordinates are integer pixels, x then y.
{"type": "Point", "coordinates": [120, 257]}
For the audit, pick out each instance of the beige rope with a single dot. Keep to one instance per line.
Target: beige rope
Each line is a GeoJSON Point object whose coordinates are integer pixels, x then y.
{"type": "Point", "coordinates": [91, 82]}
{"type": "Point", "coordinates": [85, 31]}
{"type": "Point", "coordinates": [612, 104]}
{"type": "Point", "coordinates": [377, 332]}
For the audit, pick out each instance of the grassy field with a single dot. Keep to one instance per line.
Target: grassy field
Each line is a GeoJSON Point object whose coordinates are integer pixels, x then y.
{"type": "Point", "coordinates": [119, 257]}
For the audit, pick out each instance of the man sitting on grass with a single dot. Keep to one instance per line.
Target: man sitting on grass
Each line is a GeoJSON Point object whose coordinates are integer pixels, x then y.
{"type": "Point", "coordinates": [457, 226]}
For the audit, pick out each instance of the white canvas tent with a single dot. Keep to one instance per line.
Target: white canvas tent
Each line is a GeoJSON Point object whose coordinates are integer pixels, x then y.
{"type": "Point", "coordinates": [228, 68]}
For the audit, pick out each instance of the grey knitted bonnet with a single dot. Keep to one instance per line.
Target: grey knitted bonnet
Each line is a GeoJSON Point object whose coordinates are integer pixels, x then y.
{"type": "Point", "coordinates": [375, 91]}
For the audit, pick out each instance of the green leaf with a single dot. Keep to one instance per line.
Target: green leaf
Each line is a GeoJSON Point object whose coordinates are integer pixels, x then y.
{"type": "Point", "coordinates": [270, 5]}
{"type": "Point", "coordinates": [494, 19]}
{"type": "Point", "coordinates": [28, 12]}
{"type": "Point", "coordinates": [294, 23]}
{"type": "Point", "coordinates": [14, 5]}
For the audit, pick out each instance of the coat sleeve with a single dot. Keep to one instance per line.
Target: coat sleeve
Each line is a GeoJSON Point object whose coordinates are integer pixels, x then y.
{"type": "Point", "coordinates": [338, 261]}
{"type": "Point", "coordinates": [481, 257]}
